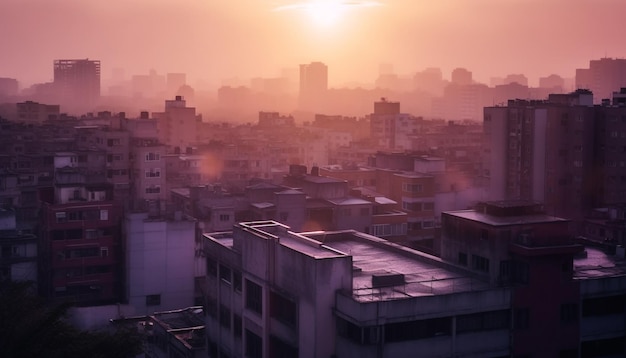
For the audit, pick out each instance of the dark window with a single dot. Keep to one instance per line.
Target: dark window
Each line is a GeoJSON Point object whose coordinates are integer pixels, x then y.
{"type": "Point", "coordinates": [254, 345]}
{"type": "Point", "coordinates": [236, 281]}
{"type": "Point", "coordinates": [348, 330]}
{"type": "Point", "coordinates": [225, 274]}
{"type": "Point", "coordinates": [463, 258]}
{"type": "Point", "coordinates": [254, 297]}
{"type": "Point", "coordinates": [283, 308]}
{"type": "Point", "coordinates": [521, 318]}
{"type": "Point", "coordinates": [280, 349]}
{"type": "Point", "coordinates": [153, 300]}
{"type": "Point", "coordinates": [480, 263]}
{"type": "Point", "coordinates": [569, 353]}
{"type": "Point", "coordinates": [601, 306]}
{"type": "Point", "coordinates": [211, 267]}
{"type": "Point", "coordinates": [236, 325]}
{"type": "Point", "coordinates": [407, 331]}
{"type": "Point", "coordinates": [224, 317]}
{"type": "Point", "coordinates": [613, 347]}
{"type": "Point", "coordinates": [520, 272]}
{"type": "Point", "coordinates": [211, 307]}
{"type": "Point", "coordinates": [569, 312]}
{"type": "Point", "coordinates": [483, 321]}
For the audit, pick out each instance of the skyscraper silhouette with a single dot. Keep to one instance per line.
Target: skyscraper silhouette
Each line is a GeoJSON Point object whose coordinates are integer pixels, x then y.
{"type": "Point", "coordinates": [313, 85]}
{"type": "Point", "coordinates": [77, 82]}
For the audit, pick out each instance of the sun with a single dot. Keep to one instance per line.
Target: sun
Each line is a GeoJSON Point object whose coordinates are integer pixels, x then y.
{"type": "Point", "coordinates": [326, 13]}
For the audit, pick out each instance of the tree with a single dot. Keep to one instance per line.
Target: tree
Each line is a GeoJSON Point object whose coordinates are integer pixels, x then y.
{"type": "Point", "coordinates": [30, 327]}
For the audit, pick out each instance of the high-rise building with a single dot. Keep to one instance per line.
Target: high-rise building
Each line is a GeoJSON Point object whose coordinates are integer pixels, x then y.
{"type": "Point", "coordinates": [77, 82]}
{"type": "Point", "coordinates": [563, 152]}
{"type": "Point", "coordinates": [603, 77]}
{"type": "Point", "coordinates": [313, 85]}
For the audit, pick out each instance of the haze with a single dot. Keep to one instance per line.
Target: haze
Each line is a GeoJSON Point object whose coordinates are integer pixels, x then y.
{"type": "Point", "coordinates": [211, 40]}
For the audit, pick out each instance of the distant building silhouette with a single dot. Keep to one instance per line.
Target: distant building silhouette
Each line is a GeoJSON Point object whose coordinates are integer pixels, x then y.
{"type": "Point", "coordinates": [461, 76]}
{"type": "Point", "coordinates": [313, 85]}
{"type": "Point", "coordinates": [603, 77]}
{"type": "Point", "coordinates": [77, 82]}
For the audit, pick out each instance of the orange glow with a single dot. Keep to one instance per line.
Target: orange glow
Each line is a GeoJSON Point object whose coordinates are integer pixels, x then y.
{"type": "Point", "coordinates": [325, 13]}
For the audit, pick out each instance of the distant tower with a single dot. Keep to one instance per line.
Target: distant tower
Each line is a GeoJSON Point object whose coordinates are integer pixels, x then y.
{"type": "Point", "coordinates": [313, 85]}
{"type": "Point", "coordinates": [77, 82]}
{"type": "Point", "coordinates": [461, 76]}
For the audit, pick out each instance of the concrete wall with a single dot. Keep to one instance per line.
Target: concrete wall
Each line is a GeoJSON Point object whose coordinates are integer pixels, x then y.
{"type": "Point", "coordinates": [159, 261]}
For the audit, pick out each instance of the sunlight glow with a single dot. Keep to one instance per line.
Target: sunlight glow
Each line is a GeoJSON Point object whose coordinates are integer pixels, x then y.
{"type": "Point", "coordinates": [326, 13]}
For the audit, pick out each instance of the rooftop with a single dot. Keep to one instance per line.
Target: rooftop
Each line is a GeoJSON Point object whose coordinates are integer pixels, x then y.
{"type": "Point", "coordinates": [383, 270]}
{"type": "Point", "coordinates": [595, 263]}
{"type": "Point", "coordinates": [504, 220]}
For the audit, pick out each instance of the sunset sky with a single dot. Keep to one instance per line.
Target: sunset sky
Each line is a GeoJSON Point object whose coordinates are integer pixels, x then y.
{"type": "Point", "coordinates": [214, 39]}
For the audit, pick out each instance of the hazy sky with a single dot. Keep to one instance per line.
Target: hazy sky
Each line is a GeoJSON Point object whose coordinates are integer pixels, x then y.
{"type": "Point", "coordinates": [214, 39]}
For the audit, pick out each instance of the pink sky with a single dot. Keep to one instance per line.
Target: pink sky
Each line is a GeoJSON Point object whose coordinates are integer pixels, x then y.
{"type": "Point", "coordinates": [214, 39]}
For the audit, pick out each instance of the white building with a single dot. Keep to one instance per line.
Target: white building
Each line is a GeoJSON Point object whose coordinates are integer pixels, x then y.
{"type": "Point", "coordinates": [272, 292]}
{"type": "Point", "coordinates": [160, 262]}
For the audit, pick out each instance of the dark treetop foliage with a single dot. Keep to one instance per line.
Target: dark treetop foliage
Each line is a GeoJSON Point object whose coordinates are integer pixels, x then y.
{"type": "Point", "coordinates": [29, 327]}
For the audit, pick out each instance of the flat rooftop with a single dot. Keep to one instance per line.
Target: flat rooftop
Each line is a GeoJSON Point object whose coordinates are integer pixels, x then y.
{"type": "Point", "coordinates": [504, 220]}
{"type": "Point", "coordinates": [274, 230]}
{"type": "Point", "coordinates": [595, 263]}
{"type": "Point", "coordinates": [374, 258]}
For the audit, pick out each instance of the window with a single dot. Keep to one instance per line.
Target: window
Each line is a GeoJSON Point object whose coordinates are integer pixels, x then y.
{"type": "Point", "coordinates": [113, 142]}
{"type": "Point", "coordinates": [236, 281]}
{"type": "Point", "coordinates": [211, 267]}
{"type": "Point", "coordinates": [283, 309]}
{"type": "Point", "coordinates": [463, 258]}
{"type": "Point", "coordinates": [521, 318]}
{"type": "Point", "coordinates": [480, 263]}
{"type": "Point", "coordinates": [254, 345]}
{"type": "Point", "coordinates": [411, 206]}
{"type": "Point", "coordinates": [75, 216]}
{"type": "Point", "coordinates": [224, 217]}
{"type": "Point", "coordinates": [569, 312]}
{"type": "Point", "coordinates": [152, 156]}
{"type": "Point", "coordinates": [411, 188]}
{"type": "Point", "coordinates": [153, 300]}
{"type": "Point", "coordinates": [412, 330]}
{"type": "Point", "coordinates": [483, 321]}
{"type": "Point", "coordinates": [254, 297]}
{"type": "Point", "coordinates": [601, 306]}
{"type": "Point", "coordinates": [153, 173]}
{"type": "Point", "coordinates": [153, 189]}
{"type": "Point", "coordinates": [237, 325]}
{"type": "Point", "coordinates": [104, 252]}
{"type": "Point", "coordinates": [61, 216]}
{"type": "Point", "coordinates": [281, 349]}
{"type": "Point", "coordinates": [225, 274]}
{"type": "Point", "coordinates": [104, 214]}
{"type": "Point", "coordinates": [224, 317]}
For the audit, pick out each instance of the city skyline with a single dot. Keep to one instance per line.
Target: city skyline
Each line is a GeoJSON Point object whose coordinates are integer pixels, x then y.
{"type": "Point", "coordinates": [215, 40]}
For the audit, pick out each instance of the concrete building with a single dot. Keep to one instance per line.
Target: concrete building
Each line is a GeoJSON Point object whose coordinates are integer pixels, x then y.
{"type": "Point", "coordinates": [77, 83]}
{"type": "Point", "coordinates": [603, 77]}
{"type": "Point", "coordinates": [275, 293]}
{"type": "Point", "coordinates": [563, 152]}
{"type": "Point", "coordinates": [313, 86]}
{"type": "Point", "coordinates": [33, 112]}
{"type": "Point", "coordinates": [160, 261]}
{"type": "Point", "coordinates": [18, 250]}
{"type": "Point", "coordinates": [510, 276]}
{"type": "Point", "coordinates": [178, 124]}
{"type": "Point", "coordinates": [80, 243]}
